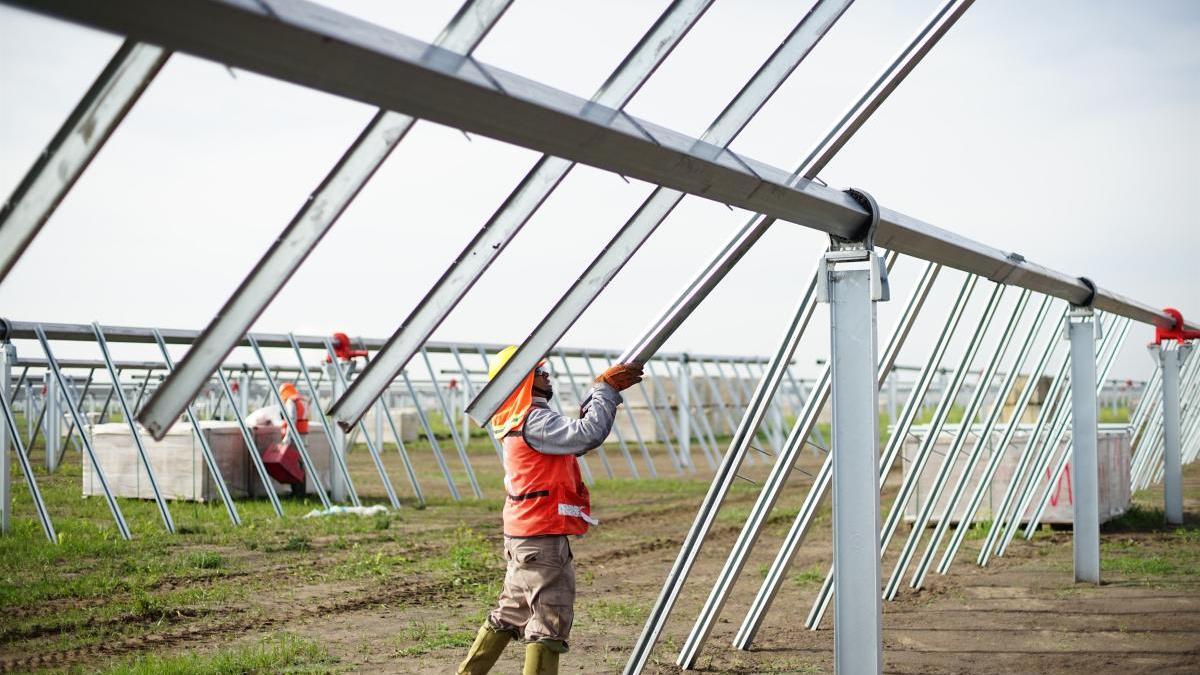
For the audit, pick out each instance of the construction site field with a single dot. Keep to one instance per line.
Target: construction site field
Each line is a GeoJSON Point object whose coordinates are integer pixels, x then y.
{"type": "Point", "coordinates": [404, 592]}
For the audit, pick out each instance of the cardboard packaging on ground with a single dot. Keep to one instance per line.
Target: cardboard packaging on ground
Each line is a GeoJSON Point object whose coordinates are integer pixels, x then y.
{"type": "Point", "coordinates": [179, 466]}
{"type": "Point", "coordinates": [1114, 455]}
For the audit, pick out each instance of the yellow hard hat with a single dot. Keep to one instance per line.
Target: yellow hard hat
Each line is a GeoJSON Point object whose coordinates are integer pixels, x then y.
{"type": "Point", "coordinates": [501, 359]}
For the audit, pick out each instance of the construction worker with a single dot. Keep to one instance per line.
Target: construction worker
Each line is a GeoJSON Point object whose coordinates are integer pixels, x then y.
{"type": "Point", "coordinates": [282, 459]}
{"type": "Point", "coordinates": [547, 501]}
{"type": "Point", "coordinates": [296, 408]}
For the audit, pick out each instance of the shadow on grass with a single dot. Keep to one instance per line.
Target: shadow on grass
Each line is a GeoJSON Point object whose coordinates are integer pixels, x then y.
{"type": "Point", "coordinates": [1142, 519]}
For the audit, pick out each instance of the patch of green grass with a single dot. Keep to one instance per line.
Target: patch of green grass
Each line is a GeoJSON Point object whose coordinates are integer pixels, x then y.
{"type": "Point", "coordinates": [978, 530]}
{"type": "Point", "coordinates": [813, 574]}
{"type": "Point", "coordinates": [1109, 415]}
{"type": "Point", "coordinates": [282, 653]}
{"type": "Point", "coordinates": [1137, 518]}
{"type": "Point", "coordinates": [370, 561]}
{"type": "Point", "coordinates": [953, 417]}
{"type": "Point", "coordinates": [428, 637]}
{"type": "Point", "coordinates": [1139, 566]}
{"type": "Point", "coordinates": [469, 564]}
{"type": "Point", "coordinates": [207, 560]}
{"type": "Point", "coordinates": [616, 612]}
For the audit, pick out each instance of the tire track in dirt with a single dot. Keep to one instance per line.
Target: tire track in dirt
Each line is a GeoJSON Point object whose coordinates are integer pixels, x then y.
{"type": "Point", "coordinates": [237, 622]}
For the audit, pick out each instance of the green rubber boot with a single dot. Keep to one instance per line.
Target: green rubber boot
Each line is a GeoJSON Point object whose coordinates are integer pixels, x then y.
{"type": "Point", "coordinates": [541, 658]}
{"type": "Point", "coordinates": [489, 644]}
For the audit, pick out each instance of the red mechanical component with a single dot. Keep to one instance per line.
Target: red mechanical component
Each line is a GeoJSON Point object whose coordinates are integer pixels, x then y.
{"type": "Point", "coordinates": [344, 350]}
{"type": "Point", "coordinates": [1177, 332]}
{"type": "Point", "coordinates": [282, 462]}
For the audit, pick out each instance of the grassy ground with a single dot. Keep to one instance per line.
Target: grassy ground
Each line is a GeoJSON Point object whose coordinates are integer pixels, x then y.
{"type": "Point", "coordinates": [405, 591]}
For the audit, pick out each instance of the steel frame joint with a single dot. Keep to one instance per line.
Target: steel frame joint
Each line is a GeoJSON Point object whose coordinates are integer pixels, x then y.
{"type": "Point", "coordinates": [861, 249]}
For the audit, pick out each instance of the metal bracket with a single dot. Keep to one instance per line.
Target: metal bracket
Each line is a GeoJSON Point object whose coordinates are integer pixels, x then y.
{"type": "Point", "coordinates": [861, 249]}
{"type": "Point", "coordinates": [1080, 313]}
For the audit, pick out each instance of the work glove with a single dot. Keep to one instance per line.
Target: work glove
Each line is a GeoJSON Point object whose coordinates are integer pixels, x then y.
{"type": "Point", "coordinates": [622, 376]}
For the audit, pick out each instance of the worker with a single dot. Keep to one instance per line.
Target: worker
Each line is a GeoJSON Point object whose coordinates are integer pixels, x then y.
{"type": "Point", "coordinates": [281, 459]}
{"type": "Point", "coordinates": [296, 408]}
{"type": "Point", "coordinates": [547, 501]}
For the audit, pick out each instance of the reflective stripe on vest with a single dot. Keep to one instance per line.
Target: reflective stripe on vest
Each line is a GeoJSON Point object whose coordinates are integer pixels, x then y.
{"type": "Point", "coordinates": [546, 494]}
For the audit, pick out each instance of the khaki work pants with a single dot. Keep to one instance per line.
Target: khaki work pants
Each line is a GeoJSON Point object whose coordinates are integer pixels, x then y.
{"type": "Point", "coordinates": [538, 598]}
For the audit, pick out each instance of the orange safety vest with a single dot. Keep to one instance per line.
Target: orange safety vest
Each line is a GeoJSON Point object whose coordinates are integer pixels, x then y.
{"type": "Point", "coordinates": [300, 415]}
{"type": "Point", "coordinates": [546, 494]}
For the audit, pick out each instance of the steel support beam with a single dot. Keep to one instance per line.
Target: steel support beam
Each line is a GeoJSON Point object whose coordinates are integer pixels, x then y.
{"type": "Point", "coordinates": [214, 471]}
{"type": "Point", "coordinates": [1085, 477]}
{"type": "Point", "coordinates": [1001, 448]}
{"type": "Point", "coordinates": [52, 422]}
{"type": "Point", "coordinates": [9, 434]}
{"type": "Point", "coordinates": [518, 208]}
{"type": "Point", "coordinates": [316, 216]}
{"type": "Point", "coordinates": [56, 372]}
{"type": "Point", "coordinates": [8, 355]}
{"type": "Point", "coordinates": [314, 46]}
{"type": "Point", "coordinates": [1170, 361]}
{"type": "Point", "coordinates": [128, 413]}
{"type": "Point", "coordinates": [931, 498]}
{"type": "Point", "coordinates": [655, 209]}
{"type": "Point", "coordinates": [74, 146]}
{"type": "Point", "coordinates": [803, 521]}
{"type": "Point", "coordinates": [858, 622]}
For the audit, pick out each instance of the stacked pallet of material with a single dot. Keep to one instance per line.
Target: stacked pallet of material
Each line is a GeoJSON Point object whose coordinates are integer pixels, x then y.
{"type": "Point", "coordinates": [178, 462]}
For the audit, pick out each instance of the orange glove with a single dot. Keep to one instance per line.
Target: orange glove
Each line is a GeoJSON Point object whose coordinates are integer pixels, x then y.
{"type": "Point", "coordinates": [622, 376]}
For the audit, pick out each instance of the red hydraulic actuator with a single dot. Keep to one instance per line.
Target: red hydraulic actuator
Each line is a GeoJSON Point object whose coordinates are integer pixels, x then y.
{"type": "Point", "coordinates": [1177, 332]}
{"type": "Point", "coordinates": [344, 350]}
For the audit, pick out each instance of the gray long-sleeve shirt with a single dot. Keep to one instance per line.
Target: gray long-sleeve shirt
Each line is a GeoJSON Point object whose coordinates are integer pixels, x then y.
{"type": "Point", "coordinates": [553, 434]}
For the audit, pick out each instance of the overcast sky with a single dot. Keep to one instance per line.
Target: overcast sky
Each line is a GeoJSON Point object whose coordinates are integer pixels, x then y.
{"type": "Point", "coordinates": [1066, 131]}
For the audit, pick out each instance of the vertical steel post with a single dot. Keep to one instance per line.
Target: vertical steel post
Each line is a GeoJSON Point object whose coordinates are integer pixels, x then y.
{"type": "Point", "coordinates": [10, 434]}
{"type": "Point", "coordinates": [52, 422]}
{"type": "Point", "coordinates": [1114, 337]}
{"type": "Point", "coordinates": [1085, 476]}
{"type": "Point", "coordinates": [8, 354]}
{"type": "Point", "coordinates": [243, 398]}
{"type": "Point", "coordinates": [337, 437]}
{"type": "Point", "coordinates": [681, 399]}
{"type": "Point", "coordinates": [852, 293]}
{"type": "Point", "coordinates": [1170, 360]}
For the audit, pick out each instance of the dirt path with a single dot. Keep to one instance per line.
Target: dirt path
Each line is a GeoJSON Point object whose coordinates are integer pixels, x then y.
{"type": "Point", "coordinates": [374, 603]}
